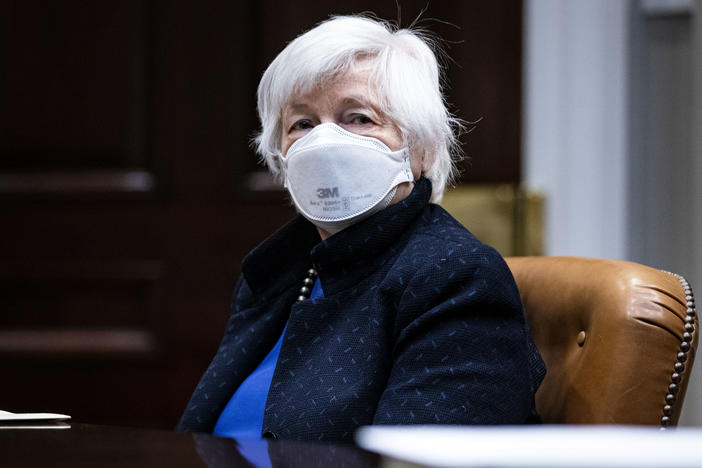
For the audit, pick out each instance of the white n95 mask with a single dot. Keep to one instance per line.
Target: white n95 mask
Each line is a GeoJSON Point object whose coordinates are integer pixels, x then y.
{"type": "Point", "coordinates": [337, 178]}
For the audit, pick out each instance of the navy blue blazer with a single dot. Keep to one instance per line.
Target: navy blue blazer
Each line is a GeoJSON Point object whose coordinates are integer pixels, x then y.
{"type": "Point", "coordinates": [420, 323]}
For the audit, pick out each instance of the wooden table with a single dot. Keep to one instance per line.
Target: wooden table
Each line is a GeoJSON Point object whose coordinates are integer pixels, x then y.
{"type": "Point", "coordinates": [83, 445]}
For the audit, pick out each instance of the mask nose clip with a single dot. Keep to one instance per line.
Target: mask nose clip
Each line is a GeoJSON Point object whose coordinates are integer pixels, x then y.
{"type": "Point", "coordinates": [331, 133]}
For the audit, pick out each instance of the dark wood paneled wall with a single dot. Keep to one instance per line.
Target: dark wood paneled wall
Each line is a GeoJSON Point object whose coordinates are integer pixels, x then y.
{"type": "Point", "coordinates": [129, 194]}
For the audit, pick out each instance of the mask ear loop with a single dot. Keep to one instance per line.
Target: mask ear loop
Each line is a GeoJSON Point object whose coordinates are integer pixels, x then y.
{"type": "Point", "coordinates": [282, 167]}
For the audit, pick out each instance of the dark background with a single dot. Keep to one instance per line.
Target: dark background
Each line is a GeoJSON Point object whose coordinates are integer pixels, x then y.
{"type": "Point", "coordinates": [129, 194]}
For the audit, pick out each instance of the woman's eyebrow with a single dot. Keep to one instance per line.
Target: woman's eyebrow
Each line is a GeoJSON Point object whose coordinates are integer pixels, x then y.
{"type": "Point", "coordinates": [294, 110]}
{"type": "Point", "coordinates": [295, 107]}
{"type": "Point", "coordinates": [358, 100]}
{"type": "Point", "coordinates": [363, 101]}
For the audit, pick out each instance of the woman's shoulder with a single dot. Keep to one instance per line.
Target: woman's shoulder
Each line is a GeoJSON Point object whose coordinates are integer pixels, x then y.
{"type": "Point", "coordinates": [442, 257]}
{"type": "Point", "coordinates": [439, 237]}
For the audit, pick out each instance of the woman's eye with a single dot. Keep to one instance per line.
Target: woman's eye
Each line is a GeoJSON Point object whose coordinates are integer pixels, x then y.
{"type": "Point", "coordinates": [302, 124]}
{"type": "Point", "coordinates": [360, 119]}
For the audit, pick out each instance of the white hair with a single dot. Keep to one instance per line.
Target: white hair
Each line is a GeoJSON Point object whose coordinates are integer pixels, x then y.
{"type": "Point", "coordinates": [406, 76]}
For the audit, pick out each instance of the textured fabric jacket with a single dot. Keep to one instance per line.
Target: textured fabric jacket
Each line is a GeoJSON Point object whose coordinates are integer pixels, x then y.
{"type": "Point", "coordinates": [420, 323]}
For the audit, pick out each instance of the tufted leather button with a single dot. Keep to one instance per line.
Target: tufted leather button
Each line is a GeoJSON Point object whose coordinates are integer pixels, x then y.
{"type": "Point", "coordinates": [581, 338]}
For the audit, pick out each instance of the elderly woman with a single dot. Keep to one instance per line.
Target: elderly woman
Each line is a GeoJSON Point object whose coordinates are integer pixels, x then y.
{"type": "Point", "coordinates": [374, 306]}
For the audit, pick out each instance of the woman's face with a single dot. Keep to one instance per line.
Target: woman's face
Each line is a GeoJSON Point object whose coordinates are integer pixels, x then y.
{"type": "Point", "coordinates": [350, 102]}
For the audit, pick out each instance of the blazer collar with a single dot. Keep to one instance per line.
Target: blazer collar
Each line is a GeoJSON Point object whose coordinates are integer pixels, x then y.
{"type": "Point", "coordinates": [282, 260]}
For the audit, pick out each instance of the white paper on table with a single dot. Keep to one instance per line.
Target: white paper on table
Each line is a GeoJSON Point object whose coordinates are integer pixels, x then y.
{"type": "Point", "coordinates": [532, 446]}
{"type": "Point", "coordinates": [57, 425]}
{"type": "Point", "coordinates": [17, 417]}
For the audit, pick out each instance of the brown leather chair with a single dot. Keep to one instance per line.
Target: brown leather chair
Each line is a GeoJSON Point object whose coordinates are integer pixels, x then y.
{"type": "Point", "coordinates": [618, 339]}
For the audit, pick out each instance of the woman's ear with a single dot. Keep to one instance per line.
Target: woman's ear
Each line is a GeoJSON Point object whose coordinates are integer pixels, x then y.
{"type": "Point", "coordinates": [420, 162]}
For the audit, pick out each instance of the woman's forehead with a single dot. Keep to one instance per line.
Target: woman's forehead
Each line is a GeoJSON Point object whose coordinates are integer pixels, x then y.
{"type": "Point", "coordinates": [353, 87]}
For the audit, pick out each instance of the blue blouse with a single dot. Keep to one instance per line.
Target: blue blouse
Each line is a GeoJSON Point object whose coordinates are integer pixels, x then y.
{"type": "Point", "coordinates": [243, 415]}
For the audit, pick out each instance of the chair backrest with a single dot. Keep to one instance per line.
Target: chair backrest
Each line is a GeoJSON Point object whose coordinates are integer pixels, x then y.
{"type": "Point", "coordinates": [618, 339]}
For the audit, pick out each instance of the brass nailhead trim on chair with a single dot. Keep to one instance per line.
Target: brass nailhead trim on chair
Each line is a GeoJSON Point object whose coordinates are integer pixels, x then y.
{"type": "Point", "coordinates": [682, 354]}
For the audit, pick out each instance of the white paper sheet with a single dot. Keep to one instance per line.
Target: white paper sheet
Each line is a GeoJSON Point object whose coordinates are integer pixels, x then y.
{"type": "Point", "coordinates": [532, 446]}
{"type": "Point", "coordinates": [7, 416]}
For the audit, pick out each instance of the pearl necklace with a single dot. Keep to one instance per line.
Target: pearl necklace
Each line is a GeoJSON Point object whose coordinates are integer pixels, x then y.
{"type": "Point", "coordinates": [307, 284]}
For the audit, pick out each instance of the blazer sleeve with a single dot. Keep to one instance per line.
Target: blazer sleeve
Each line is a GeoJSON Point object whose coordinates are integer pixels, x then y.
{"type": "Point", "coordinates": [462, 349]}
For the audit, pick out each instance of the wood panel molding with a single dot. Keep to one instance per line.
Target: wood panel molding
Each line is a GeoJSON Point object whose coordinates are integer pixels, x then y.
{"type": "Point", "coordinates": [80, 182]}
{"type": "Point", "coordinates": [77, 343]}
{"type": "Point", "coordinates": [80, 307]}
